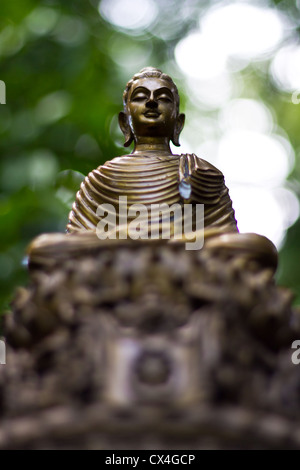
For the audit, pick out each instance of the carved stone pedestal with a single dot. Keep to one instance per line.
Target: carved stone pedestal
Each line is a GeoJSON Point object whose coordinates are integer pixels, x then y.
{"type": "Point", "coordinates": [141, 345]}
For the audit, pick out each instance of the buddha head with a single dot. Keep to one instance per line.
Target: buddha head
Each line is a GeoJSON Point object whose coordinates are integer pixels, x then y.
{"type": "Point", "coordinates": [151, 108]}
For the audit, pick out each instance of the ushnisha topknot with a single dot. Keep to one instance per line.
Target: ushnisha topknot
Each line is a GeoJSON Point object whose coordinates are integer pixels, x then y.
{"type": "Point", "coordinates": [151, 72]}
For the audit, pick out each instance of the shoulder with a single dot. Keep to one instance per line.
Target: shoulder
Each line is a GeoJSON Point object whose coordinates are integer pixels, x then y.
{"type": "Point", "coordinates": [190, 164]}
{"type": "Point", "coordinates": [204, 165]}
{"type": "Point", "coordinates": [116, 160]}
{"type": "Point", "coordinates": [110, 165]}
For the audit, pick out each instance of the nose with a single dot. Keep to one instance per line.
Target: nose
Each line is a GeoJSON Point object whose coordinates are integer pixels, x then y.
{"type": "Point", "coordinates": [151, 102]}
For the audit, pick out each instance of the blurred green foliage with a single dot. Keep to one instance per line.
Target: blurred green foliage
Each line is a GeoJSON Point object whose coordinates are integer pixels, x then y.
{"type": "Point", "coordinates": [63, 92]}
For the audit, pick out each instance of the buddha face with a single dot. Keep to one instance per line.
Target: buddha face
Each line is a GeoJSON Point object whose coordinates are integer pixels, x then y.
{"type": "Point", "coordinates": [151, 110]}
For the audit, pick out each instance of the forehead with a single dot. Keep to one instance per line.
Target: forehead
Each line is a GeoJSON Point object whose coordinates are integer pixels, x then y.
{"type": "Point", "coordinates": [151, 84]}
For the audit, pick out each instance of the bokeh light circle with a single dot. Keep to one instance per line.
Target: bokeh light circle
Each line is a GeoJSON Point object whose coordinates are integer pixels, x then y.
{"type": "Point", "coordinates": [128, 14]}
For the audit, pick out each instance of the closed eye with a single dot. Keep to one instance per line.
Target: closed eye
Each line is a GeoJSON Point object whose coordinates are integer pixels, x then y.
{"type": "Point", "coordinates": [164, 98]}
{"type": "Point", "coordinates": [139, 97]}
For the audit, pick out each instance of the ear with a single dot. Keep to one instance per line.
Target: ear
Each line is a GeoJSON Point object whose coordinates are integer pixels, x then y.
{"type": "Point", "coordinates": [125, 128]}
{"type": "Point", "coordinates": [177, 129]}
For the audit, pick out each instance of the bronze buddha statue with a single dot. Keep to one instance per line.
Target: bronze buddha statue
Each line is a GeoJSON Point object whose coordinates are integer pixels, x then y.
{"type": "Point", "coordinates": [153, 175]}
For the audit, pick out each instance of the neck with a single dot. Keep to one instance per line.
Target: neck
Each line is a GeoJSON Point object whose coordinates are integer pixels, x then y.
{"type": "Point", "coordinates": [152, 145]}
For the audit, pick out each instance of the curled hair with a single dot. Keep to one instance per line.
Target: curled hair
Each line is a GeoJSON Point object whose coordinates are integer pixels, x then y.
{"type": "Point", "coordinates": [151, 72]}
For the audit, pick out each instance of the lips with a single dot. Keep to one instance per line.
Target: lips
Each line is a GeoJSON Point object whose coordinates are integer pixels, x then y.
{"type": "Point", "coordinates": [151, 114]}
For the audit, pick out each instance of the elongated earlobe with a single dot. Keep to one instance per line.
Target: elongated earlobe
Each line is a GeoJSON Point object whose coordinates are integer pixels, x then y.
{"type": "Point", "coordinates": [125, 128]}
{"type": "Point", "coordinates": [177, 129]}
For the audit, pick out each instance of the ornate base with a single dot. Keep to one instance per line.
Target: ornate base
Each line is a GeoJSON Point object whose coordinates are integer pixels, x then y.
{"type": "Point", "coordinates": [147, 345]}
